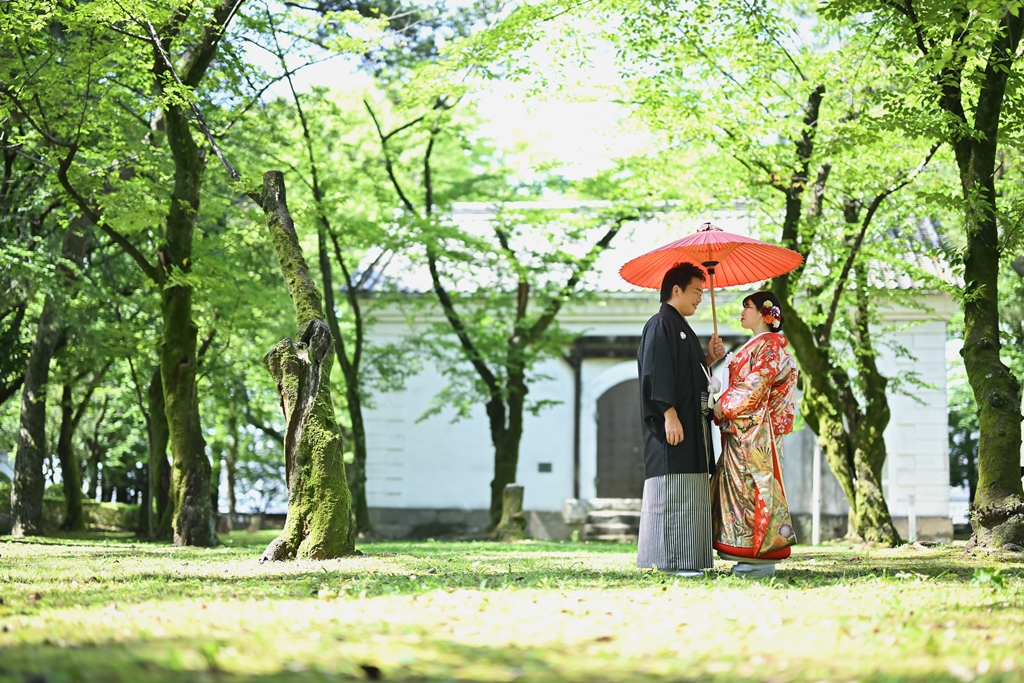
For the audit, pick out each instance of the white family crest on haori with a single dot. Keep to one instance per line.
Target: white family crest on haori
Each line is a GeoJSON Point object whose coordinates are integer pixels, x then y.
{"type": "Point", "coordinates": [682, 335]}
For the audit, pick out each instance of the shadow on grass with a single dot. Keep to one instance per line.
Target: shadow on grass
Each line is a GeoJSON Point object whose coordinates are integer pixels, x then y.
{"type": "Point", "coordinates": [179, 661]}
{"type": "Point", "coordinates": [135, 587]}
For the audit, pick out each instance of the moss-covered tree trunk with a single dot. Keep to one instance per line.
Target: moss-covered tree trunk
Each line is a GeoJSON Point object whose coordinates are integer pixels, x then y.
{"type": "Point", "coordinates": [867, 425]}
{"type": "Point", "coordinates": [28, 485]}
{"type": "Point", "coordinates": [74, 519]}
{"type": "Point", "coordinates": [27, 489]}
{"type": "Point", "coordinates": [194, 522]}
{"type": "Point", "coordinates": [319, 524]}
{"type": "Point", "coordinates": [998, 510]}
{"type": "Point", "coordinates": [159, 470]}
{"type": "Point", "coordinates": [849, 434]}
{"type": "Point", "coordinates": [822, 407]}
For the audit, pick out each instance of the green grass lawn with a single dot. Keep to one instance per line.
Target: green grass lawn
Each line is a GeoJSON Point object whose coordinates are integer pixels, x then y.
{"type": "Point", "coordinates": [103, 608]}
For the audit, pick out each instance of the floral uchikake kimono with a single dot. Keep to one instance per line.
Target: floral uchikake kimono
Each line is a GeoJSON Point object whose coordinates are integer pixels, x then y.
{"type": "Point", "coordinates": [749, 513]}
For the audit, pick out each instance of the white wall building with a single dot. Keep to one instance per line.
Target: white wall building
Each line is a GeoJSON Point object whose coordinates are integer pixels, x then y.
{"type": "Point", "coordinates": [432, 477]}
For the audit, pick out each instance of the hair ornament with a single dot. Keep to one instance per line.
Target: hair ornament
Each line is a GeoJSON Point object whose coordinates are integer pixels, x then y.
{"type": "Point", "coordinates": [771, 315]}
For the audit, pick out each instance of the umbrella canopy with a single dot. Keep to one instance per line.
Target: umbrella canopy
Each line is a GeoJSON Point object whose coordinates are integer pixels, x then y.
{"type": "Point", "coordinates": [731, 259]}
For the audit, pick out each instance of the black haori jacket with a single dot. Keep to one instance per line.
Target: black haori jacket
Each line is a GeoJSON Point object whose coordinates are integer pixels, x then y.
{"type": "Point", "coordinates": [670, 362]}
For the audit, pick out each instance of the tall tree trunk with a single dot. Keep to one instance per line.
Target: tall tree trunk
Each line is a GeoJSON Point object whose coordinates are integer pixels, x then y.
{"type": "Point", "coordinates": [855, 450]}
{"type": "Point", "coordinates": [349, 369]}
{"type": "Point", "coordinates": [874, 523]}
{"type": "Point", "coordinates": [74, 519]}
{"type": "Point", "coordinates": [231, 462]}
{"type": "Point", "coordinates": [71, 474]}
{"type": "Point", "coordinates": [319, 524]}
{"type": "Point", "coordinates": [998, 511]}
{"type": "Point", "coordinates": [145, 506]}
{"type": "Point", "coordinates": [360, 507]}
{"type": "Point", "coordinates": [93, 465]}
{"type": "Point", "coordinates": [822, 408]}
{"type": "Point", "coordinates": [506, 447]}
{"type": "Point", "coordinates": [27, 491]}
{"type": "Point", "coordinates": [217, 466]}
{"type": "Point", "coordinates": [194, 522]}
{"type": "Point", "coordinates": [161, 523]}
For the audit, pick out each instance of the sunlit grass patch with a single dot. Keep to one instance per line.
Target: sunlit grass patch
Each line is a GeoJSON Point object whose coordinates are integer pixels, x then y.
{"type": "Point", "coordinates": [112, 609]}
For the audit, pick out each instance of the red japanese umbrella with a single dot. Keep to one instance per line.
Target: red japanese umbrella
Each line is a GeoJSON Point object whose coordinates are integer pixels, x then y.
{"type": "Point", "coordinates": [728, 259]}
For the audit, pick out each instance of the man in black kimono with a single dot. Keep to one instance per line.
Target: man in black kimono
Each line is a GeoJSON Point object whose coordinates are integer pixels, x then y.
{"type": "Point", "coordinates": [675, 518]}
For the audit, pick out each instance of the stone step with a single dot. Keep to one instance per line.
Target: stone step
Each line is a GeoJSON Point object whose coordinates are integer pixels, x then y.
{"type": "Point", "coordinates": [625, 504]}
{"type": "Point", "coordinates": [614, 517]}
{"type": "Point", "coordinates": [605, 532]}
{"type": "Point", "coordinates": [614, 538]}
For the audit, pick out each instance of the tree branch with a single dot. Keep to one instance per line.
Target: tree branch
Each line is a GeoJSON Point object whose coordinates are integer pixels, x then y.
{"type": "Point", "coordinates": [840, 286]}
{"type": "Point", "coordinates": [389, 167]}
{"type": "Point", "coordinates": [200, 120]}
{"type": "Point", "coordinates": [460, 328]}
{"type": "Point", "coordinates": [258, 424]}
{"type": "Point", "coordinates": [555, 304]}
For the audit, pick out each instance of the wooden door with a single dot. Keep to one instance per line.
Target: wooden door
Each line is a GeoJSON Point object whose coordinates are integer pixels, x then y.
{"type": "Point", "coordinates": [620, 460]}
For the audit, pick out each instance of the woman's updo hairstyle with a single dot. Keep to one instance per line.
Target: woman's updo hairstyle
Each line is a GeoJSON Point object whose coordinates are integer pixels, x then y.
{"type": "Point", "coordinates": [770, 308]}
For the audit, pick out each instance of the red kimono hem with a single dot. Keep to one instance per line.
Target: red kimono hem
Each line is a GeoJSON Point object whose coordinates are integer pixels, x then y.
{"type": "Point", "coordinates": [752, 554]}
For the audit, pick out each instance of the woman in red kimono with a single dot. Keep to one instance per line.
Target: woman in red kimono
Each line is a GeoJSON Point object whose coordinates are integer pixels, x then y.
{"type": "Point", "coordinates": [749, 513]}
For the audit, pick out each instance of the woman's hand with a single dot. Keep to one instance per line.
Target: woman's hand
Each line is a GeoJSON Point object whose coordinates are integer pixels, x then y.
{"type": "Point", "coordinates": [718, 411]}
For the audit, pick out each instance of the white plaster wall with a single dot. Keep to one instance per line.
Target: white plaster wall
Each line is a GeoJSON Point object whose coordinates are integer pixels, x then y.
{"type": "Point", "coordinates": [916, 437]}
{"type": "Point", "coordinates": [439, 464]}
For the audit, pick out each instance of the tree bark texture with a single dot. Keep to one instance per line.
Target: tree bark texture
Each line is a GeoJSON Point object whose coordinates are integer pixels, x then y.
{"type": "Point", "coordinates": [319, 524]}
{"type": "Point", "coordinates": [998, 510]}
{"type": "Point", "coordinates": [74, 519]}
{"type": "Point", "coordinates": [27, 490]}
{"type": "Point", "coordinates": [506, 437]}
{"type": "Point", "coordinates": [350, 370]}
{"type": "Point", "coordinates": [194, 522]}
{"type": "Point", "coordinates": [855, 450]}
{"type": "Point", "coordinates": [159, 470]}
{"type": "Point", "coordinates": [867, 426]}
{"type": "Point", "coordinates": [93, 444]}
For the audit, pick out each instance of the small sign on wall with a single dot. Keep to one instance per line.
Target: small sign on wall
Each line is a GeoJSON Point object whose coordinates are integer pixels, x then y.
{"type": "Point", "coordinates": [543, 467]}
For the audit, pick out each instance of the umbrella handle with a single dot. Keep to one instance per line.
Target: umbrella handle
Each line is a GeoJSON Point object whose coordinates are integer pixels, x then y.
{"type": "Point", "coordinates": [710, 266]}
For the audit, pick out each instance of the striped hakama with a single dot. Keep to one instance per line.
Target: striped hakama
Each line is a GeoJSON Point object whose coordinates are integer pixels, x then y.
{"type": "Point", "coordinates": [675, 518]}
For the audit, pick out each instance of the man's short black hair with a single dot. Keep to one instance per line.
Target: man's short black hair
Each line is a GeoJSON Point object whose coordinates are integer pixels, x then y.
{"type": "Point", "coordinates": [682, 274]}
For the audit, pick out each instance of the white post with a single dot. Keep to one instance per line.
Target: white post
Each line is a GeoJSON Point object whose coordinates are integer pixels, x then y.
{"type": "Point", "coordinates": [912, 520]}
{"type": "Point", "coordinates": [816, 495]}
